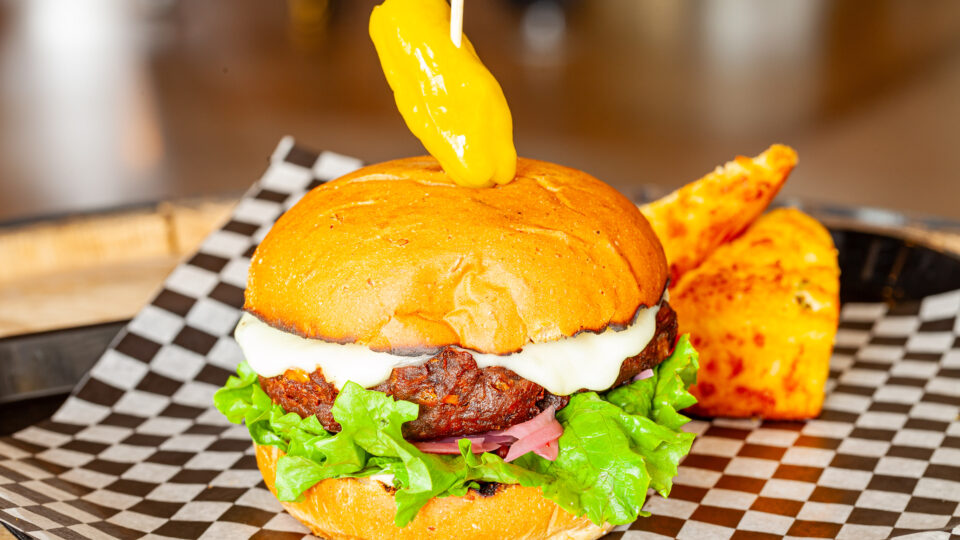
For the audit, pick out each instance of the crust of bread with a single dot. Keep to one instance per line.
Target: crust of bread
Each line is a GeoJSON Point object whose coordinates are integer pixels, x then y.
{"type": "Point", "coordinates": [397, 257]}
{"type": "Point", "coordinates": [363, 508]}
{"type": "Point", "coordinates": [701, 216]}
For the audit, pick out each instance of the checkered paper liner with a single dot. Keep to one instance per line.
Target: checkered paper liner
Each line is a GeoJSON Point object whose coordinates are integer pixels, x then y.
{"type": "Point", "coordinates": [139, 451]}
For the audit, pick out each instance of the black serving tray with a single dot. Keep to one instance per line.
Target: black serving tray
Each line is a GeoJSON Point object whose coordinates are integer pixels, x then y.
{"type": "Point", "coordinates": [882, 268]}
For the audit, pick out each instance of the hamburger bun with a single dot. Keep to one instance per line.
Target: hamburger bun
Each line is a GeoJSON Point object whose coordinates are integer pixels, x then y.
{"type": "Point", "coordinates": [397, 257]}
{"type": "Point", "coordinates": [351, 508]}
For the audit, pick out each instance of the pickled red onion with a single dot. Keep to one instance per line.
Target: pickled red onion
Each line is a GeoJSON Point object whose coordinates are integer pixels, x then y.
{"type": "Point", "coordinates": [449, 445]}
{"type": "Point", "coordinates": [534, 441]}
{"type": "Point", "coordinates": [549, 451]}
{"type": "Point", "coordinates": [538, 435]}
{"type": "Point", "coordinates": [536, 423]}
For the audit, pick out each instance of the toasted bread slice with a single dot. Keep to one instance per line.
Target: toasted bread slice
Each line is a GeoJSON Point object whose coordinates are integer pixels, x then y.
{"type": "Point", "coordinates": [697, 218]}
{"type": "Point", "coordinates": [763, 310]}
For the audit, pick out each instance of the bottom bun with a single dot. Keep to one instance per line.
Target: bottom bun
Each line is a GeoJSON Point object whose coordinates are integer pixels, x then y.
{"type": "Point", "coordinates": [362, 508]}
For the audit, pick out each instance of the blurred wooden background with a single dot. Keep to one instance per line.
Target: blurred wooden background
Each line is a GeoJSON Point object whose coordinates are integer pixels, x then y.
{"type": "Point", "coordinates": [118, 105]}
{"type": "Point", "coordinates": [113, 102]}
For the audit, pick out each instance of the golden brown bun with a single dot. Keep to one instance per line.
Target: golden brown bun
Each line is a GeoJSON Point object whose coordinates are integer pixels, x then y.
{"type": "Point", "coordinates": [397, 257]}
{"type": "Point", "coordinates": [762, 311]}
{"type": "Point", "coordinates": [359, 508]}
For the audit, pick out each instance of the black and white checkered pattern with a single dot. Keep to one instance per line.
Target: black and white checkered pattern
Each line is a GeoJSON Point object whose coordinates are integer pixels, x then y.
{"type": "Point", "coordinates": [139, 451]}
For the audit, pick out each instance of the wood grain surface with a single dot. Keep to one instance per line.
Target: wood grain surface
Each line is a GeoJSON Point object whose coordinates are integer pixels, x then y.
{"type": "Point", "coordinates": [93, 269]}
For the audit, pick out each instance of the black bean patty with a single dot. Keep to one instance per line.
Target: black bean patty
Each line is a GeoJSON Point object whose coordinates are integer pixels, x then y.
{"type": "Point", "coordinates": [455, 396]}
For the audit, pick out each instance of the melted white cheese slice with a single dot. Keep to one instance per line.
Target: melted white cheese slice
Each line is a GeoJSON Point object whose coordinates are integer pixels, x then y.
{"type": "Point", "coordinates": [587, 360]}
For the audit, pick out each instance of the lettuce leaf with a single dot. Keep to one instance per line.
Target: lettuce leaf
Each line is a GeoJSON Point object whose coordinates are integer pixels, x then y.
{"type": "Point", "coordinates": [614, 446]}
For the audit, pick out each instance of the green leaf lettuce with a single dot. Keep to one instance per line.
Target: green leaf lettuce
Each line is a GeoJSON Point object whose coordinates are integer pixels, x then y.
{"type": "Point", "coordinates": [614, 445]}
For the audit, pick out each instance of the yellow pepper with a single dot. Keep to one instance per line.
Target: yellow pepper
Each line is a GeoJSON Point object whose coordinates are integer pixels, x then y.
{"type": "Point", "coordinates": [448, 99]}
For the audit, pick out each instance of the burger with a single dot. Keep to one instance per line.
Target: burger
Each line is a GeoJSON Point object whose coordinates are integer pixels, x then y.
{"type": "Point", "coordinates": [429, 360]}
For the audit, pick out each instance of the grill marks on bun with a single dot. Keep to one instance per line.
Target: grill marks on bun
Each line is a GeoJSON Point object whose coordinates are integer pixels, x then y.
{"type": "Point", "coordinates": [396, 257]}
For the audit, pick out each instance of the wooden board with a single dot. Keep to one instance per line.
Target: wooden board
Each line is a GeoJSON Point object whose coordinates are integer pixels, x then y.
{"type": "Point", "coordinates": [93, 269]}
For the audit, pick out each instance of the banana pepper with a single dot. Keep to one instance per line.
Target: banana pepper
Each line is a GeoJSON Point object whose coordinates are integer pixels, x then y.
{"type": "Point", "coordinates": [447, 97]}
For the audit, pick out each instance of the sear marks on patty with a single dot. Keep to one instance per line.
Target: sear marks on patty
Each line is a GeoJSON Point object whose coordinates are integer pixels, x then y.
{"type": "Point", "coordinates": [455, 396]}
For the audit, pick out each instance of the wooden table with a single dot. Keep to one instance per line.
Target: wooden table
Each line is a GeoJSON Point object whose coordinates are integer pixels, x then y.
{"type": "Point", "coordinates": [98, 268]}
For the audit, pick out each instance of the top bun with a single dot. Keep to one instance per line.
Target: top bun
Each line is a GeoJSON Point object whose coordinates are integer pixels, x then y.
{"type": "Point", "coordinates": [397, 257]}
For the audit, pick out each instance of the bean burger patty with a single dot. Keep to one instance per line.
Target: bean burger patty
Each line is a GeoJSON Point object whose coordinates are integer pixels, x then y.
{"type": "Point", "coordinates": [455, 396]}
